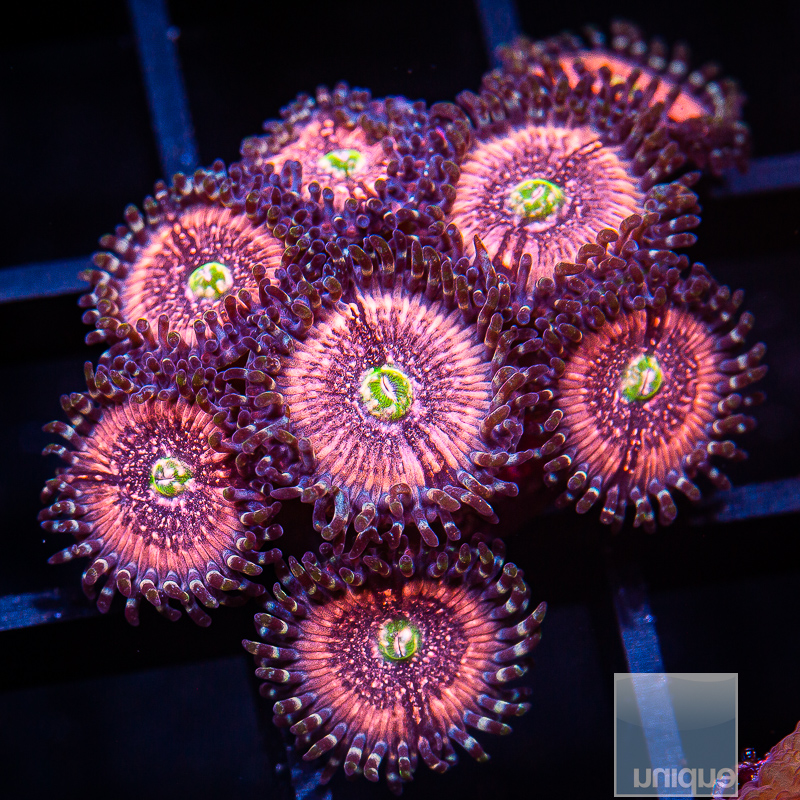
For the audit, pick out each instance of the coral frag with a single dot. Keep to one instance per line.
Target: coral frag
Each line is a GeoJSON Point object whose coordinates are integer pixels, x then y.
{"type": "Point", "coordinates": [777, 776]}
{"type": "Point", "coordinates": [396, 313]}
{"type": "Point", "coordinates": [376, 667]}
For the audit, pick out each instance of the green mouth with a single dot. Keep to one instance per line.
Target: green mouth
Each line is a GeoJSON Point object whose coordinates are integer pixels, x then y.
{"type": "Point", "coordinates": [398, 640]}
{"type": "Point", "coordinates": [169, 477]}
{"type": "Point", "coordinates": [210, 281]}
{"type": "Point", "coordinates": [342, 163]}
{"type": "Point", "coordinates": [643, 377]}
{"type": "Point", "coordinates": [386, 393]}
{"type": "Point", "coordinates": [536, 199]}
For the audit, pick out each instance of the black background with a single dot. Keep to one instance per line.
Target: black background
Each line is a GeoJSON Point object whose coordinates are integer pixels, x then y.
{"type": "Point", "coordinates": [93, 705]}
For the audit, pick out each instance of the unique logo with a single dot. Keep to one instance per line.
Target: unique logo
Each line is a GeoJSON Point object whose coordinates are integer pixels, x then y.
{"type": "Point", "coordinates": [675, 734]}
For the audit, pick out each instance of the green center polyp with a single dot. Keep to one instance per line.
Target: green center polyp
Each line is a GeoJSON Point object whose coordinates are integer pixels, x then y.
{"type": "Point", "coordinates": [342, 163]}
{"type": "Point", "coordinates": [398, 640]}
{"type": "Point", "coordinates": [210, 280]}
{"type": "Point", "coordinates": [642, 379]}
{"type": "Point", "coordinates": [536, 199]}
{"type": "Point", "coordinates": [169, 477]}
{"type": "Point", "coordinates": [386, 393]}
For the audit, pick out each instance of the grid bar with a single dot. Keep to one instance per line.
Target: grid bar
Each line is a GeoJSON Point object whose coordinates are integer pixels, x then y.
{"type": "Point", "coordinates": [41, 608]}
{"type": "Point", "coordinates": [499, 24]}
{"type": "Point", "coordinates": [46, 279]}
{"type": "Point", "coordinates": [658, 723]}
{"type": "Point", "coordinates": [636, 625]}
{"type": "Point", "coordinates": [757, 500]}
{"type": "Point", "coordinates": [166, 93]}
{"type": "Point", "coordinates": [765, 174]}
{"type": "Point", "coordinates": [643, 655]}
